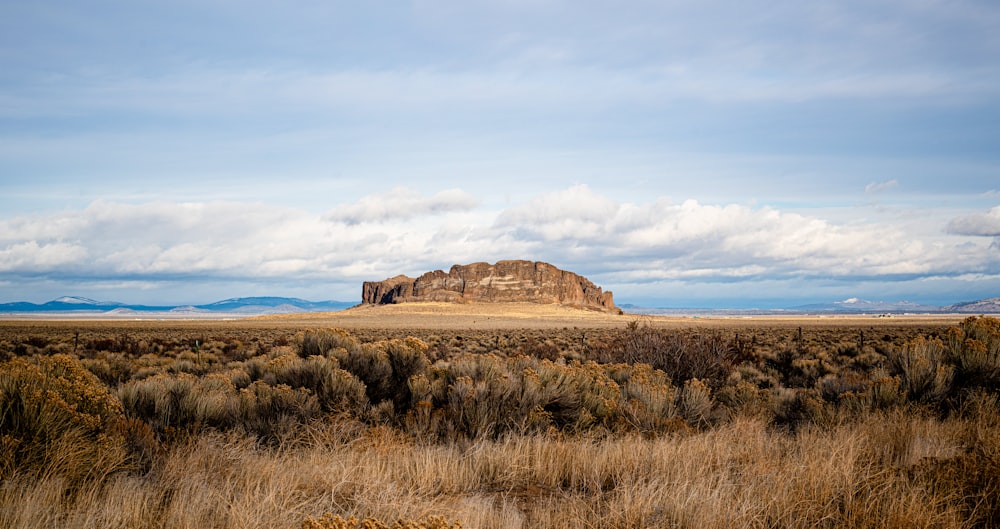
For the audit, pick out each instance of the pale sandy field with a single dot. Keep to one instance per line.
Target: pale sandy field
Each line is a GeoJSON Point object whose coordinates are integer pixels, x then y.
{"type": "Point", "coordinates": [537, 316]}
{"type": "Point", "coordinates": [486, 316]}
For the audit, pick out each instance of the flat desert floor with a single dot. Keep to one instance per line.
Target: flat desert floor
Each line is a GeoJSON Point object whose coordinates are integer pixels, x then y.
{"type": "Point", "coordinates": [483, 316]}
{"type": "Point", "coordinates": [506, 328]}
{"type": "Point", "coordinates": [536, 316]}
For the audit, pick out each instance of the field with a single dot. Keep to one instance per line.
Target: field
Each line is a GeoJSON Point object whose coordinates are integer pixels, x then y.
{"type": "Point", "coordinates": [435, 416]}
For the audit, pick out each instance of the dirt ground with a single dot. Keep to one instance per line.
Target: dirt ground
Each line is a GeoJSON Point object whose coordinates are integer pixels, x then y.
{"type": "Point", "coordinates": [508, 328]}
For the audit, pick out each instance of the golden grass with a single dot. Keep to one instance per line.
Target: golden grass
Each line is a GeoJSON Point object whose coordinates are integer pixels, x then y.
{"type": "Point", "coordinates": [811, 430]}
{"type": "Point", "coordinates": [742, 474]}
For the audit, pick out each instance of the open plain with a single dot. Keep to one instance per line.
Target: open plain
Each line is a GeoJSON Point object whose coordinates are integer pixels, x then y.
{"type": "Point", "coordinates": [500, 416]}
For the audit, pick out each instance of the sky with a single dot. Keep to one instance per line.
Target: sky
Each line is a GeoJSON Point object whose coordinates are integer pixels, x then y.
{"type": "Point", "coordinates": [680, 153]}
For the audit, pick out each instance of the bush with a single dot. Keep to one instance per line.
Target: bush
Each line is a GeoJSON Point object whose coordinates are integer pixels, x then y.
{"type": "Point", "coordinates": [924, 375]}
{"type": "Point", "coordinates": [649, 397]}
{"type": "Point", "coordinates": [974, 348]}
{"type": "Point", "coordinates": [794, 408]}
{"type": "Point", "coordinates": [385, 367]}
{"type": "Point", "coordinates": [335, 389]}
{"type": "Point", "coordinates": [707, 357]}
{"type": "Point", "coordinates": [170, 403]}
{"type": "Point", "coordinates": [487, 396]}
{"type": "Point", "coordinates": [696, 402]}
{"type": "Point", "coordinates": [370, 363]}
{"type": "Point", "coordinates": [58, 418]}
{"type": "Point", "coordinates": [322, 342]}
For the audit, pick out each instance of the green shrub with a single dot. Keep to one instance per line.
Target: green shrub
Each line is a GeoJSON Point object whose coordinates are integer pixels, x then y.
{"type": "Point", "coordinates": [111, 368]}
{"type": "Point", "coordinates": [269, 411]}
{"type": "Point", "coordinates": [745, 398]}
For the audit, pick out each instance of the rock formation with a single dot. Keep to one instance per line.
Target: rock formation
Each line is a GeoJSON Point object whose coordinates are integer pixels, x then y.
{"type": "Point", "coordinates": [535, 282]}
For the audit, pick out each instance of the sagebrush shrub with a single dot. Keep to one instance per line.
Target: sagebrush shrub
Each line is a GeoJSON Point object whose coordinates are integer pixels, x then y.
{"type": "Point", "coordinates": [186, 403]}
{"type": "Point", "coordinates": [974, 348]}
{"type": "Point", "coordinates": [793, 408]}
{"type": "Point", "coordinates": [322, 342]}
{"type": "Point", "coordinates": [683, 356]}
{"type": "Point", "coordinates": [486, 395]}
{"type": "Point", "coordinates": [335, 388]}
{"type": "Point", "coordinates": [650, 400]}
{"type": "Point", "coordinates": [923, 372]}
{"type": "Point", "coordinates": [370, 363]}
{"type": "Point", "coordinates": [57, 417]}
{"type": "Point", "coordinates": [696, 402]}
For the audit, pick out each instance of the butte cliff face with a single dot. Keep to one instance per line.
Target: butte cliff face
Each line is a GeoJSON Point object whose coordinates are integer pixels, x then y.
{"type": "Point", "coordinates": [504, 281]}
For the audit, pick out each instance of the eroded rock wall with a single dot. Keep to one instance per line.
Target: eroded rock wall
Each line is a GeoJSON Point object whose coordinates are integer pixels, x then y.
{"type": "Point", "coordinates": [530, 281]}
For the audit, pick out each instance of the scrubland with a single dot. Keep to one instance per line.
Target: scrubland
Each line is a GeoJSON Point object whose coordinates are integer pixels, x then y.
{"type": "Point", "coordinates": [634, 425]}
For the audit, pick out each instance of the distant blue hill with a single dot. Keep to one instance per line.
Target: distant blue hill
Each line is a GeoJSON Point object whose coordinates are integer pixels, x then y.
{"type": "Point", "coordinates": [847, 306]}
{"type": "Point", "coordinates": [251, 306]}
{"type": "Point", "coordinates": [860, 306]}
{"type": "Point", "coordinates": [248, 306]}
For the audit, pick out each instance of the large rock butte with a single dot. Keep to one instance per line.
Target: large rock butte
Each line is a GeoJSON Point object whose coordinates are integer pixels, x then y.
{"type": "Point", "coordinates": [505, 281]}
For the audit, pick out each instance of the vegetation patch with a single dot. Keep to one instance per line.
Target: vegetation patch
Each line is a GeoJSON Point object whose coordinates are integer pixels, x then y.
{"type": "Point", "coordinates": [630, 427]}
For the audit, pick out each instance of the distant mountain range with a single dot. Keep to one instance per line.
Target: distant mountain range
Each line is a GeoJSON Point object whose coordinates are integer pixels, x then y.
{"type": "Point", "coordinates": [850, 306]}
{"type": "Point", "coordinates": [855, 305]}
{"type": "Point", "coordinates": [253, 306]}
{"type": "Point", "coordinates": [242, 306]}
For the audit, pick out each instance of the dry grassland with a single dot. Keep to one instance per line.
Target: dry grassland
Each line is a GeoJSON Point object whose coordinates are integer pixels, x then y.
{"type": "Point", "coordinates": [434, 416]}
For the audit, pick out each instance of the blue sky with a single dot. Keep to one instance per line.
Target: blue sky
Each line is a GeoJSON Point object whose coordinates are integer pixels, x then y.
{"type": "Point", "coordinates": [711, 153]}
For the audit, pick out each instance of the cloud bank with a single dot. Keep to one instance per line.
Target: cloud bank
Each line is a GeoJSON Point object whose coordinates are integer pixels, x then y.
{"type": "Point", "coordinates": [978, 224]}
{"type": "Point", "coordinates": [402, 203]}
{"type": "Point", "coordinates": [621, 245]}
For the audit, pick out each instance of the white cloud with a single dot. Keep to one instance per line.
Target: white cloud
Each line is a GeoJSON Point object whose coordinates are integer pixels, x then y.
{"type": "Point", "coordinates": [183, 244]}
{"type": "Point", "coordinates": [878, 187]}
{"type": "Point", "coordinates": [979, 224]}
{"type": "Point", "coordinates": [666, 240]}
{"type": "Point", "coordinates": [36, 257]}
{"type": "Point", "coordinates": [402, 203]}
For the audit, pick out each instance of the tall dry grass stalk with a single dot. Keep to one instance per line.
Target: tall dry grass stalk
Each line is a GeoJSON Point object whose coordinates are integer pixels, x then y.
{"type": "Point", "coordinates": [741, 474]}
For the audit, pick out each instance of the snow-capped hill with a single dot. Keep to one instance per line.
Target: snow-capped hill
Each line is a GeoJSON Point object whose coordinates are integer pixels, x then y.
{"type": "Point", "coordinates": [265, 301]}
{"type": "Point", "coordinates": [76, 300]}
{"type": "Point", "coordinates": [272, 304]}
{"type": "Point", "coordinates": [857, 305]}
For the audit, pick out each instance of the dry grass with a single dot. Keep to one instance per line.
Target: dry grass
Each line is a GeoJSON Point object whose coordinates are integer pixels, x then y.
{"type": "Point", "coordinates": [743, 474]}
{"type": "Point", "coordinates": [243, 426]}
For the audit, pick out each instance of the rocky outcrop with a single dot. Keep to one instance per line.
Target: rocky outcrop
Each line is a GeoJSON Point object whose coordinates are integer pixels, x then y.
{"type": "Point", "coordinates": [505, 281]}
